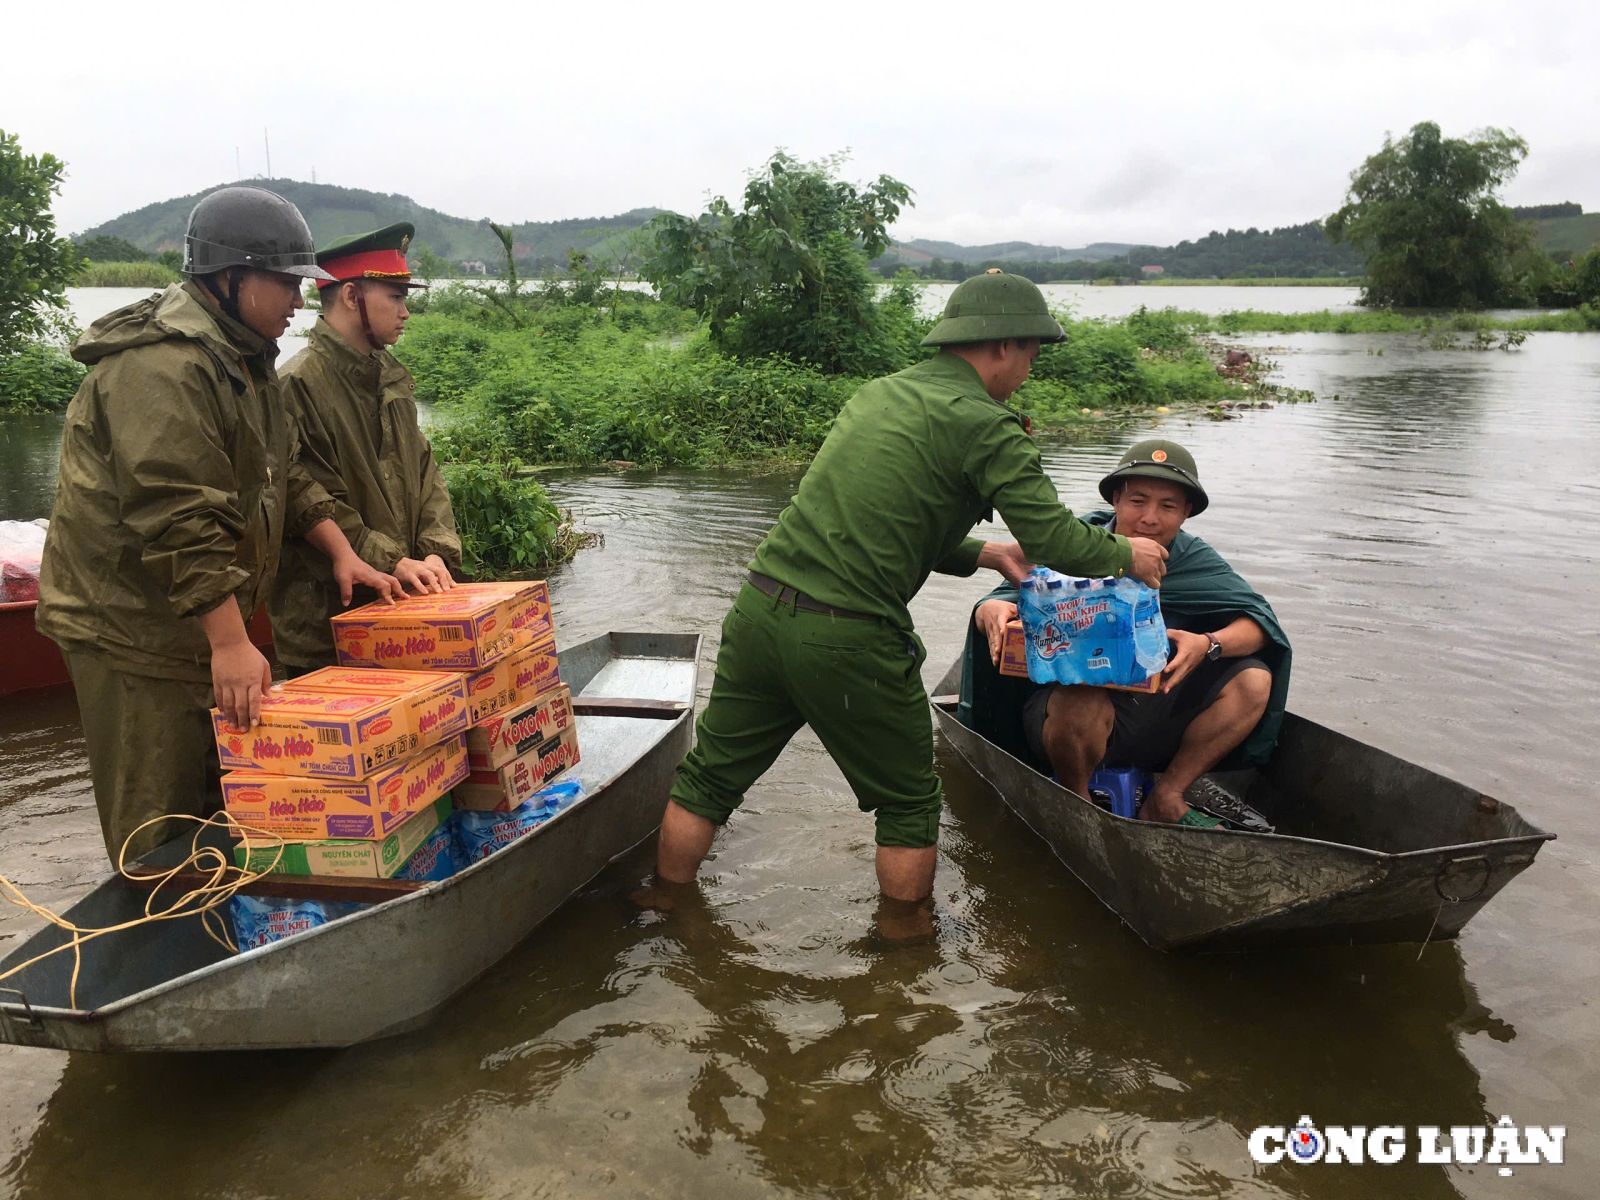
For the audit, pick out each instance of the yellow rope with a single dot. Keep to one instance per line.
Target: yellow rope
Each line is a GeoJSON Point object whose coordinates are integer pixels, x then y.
{"type": "Point", "coordinates": [225, 880]}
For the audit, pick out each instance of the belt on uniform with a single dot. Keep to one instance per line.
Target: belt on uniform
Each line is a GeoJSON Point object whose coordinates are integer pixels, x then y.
{"type": "Point", "coordinates": [783, 594]}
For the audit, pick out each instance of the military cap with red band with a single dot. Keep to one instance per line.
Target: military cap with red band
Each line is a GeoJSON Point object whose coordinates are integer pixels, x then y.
{"type": "Point", "coordinates": [379, 255]}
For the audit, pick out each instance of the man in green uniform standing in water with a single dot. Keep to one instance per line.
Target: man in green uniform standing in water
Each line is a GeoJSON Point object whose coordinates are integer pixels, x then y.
{"type": "Point", "coordinates": [820, 634]}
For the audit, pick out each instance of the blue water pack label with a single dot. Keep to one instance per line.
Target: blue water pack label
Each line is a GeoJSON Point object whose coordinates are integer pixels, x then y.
{"type": "Point", "coordinates": [1104, 632]}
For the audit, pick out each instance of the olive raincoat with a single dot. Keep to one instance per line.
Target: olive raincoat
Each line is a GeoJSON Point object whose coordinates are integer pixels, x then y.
{"type": "Point", "coordinates": [175, 487]}
{"type": "Point", "coordinates": [372, 471]}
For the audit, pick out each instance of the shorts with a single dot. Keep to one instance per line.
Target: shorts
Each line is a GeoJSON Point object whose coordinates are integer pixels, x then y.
{"type": "Point", "coordinates": [1149, 726]}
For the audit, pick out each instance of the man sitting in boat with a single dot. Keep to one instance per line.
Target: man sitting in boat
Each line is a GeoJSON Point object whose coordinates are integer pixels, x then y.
{"type": "Point", "coordinates": [1222, 692]}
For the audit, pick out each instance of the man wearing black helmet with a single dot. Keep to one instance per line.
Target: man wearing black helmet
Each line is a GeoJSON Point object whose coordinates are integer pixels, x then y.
{"type": "Point", "coordinates": [174, 493]}
{"type": "Point", "coordinates": [1223, 688]}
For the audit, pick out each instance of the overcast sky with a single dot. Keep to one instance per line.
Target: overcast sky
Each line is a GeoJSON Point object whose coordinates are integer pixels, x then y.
{"type": "Point", "coordinates": [1058, 123]}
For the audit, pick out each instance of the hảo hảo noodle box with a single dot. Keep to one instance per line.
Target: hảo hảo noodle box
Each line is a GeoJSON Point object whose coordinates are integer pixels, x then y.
{"type": "Point", "coordinates": [513, 681]}
{"type": "Point", "coordinates": [467, 628]}
{"type": "Point", "coordinates": [321, 725]}
{"type": "Point", "coordinates": [315, 809]}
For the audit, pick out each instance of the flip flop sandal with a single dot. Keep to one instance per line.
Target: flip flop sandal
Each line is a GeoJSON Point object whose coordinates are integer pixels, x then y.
{"type": "Point", "coordinates": [1195, 819]}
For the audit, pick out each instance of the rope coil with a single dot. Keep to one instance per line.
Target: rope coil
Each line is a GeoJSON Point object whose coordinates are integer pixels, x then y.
{"type": "Point", "coordinates": [224, 881]}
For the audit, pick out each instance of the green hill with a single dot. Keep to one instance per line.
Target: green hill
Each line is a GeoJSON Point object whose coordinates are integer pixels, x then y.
{"type": "Point", "coordinates": [1567, 237]}
{"type": "Point", "coordinates": [335, 212]}
{"type": "Point", "coordinates": [921, 250]}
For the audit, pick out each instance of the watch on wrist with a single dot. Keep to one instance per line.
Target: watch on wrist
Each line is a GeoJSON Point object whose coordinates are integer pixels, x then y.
{"type": "Point", "coordinates": [1213, 651]}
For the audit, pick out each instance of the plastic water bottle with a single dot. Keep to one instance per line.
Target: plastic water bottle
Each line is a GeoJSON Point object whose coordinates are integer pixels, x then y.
{"type": "Point", "coordinates": [1149, 630]}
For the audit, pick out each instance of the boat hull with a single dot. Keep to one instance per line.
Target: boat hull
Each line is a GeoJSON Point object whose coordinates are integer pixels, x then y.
{"type": "Point", "coordinates": [386, 969]}
{"type": "Point", "coordinates": [1370, 849]}
{"type": "Point", "coordinates": [29, 661]}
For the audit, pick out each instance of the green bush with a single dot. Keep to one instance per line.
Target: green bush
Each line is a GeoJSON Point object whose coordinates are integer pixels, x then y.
{"type": "Point", "coordinates": [508, 524]}
{"type": "Point", "coordinates": [39, 377]}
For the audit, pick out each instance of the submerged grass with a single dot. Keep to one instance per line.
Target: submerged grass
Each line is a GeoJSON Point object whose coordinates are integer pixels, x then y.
{"type": "Point", "coordinates": [1256, 281]}
{"type": "Point", "coordinates": [1583, 319]}
{"type": "Point", "coordinates": [125, 274]}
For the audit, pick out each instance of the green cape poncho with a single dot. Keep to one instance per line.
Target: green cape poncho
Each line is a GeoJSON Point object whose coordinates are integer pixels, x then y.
{"type": "Point", "coordinates": [1200, 592]}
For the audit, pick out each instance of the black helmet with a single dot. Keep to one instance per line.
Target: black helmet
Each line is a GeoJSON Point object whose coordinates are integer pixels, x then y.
{"type": "Point", "coordinates": [245, 226]}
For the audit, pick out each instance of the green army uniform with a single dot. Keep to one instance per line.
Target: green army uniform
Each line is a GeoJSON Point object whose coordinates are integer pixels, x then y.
{"type": "Point", "coordinates": [372, 468]}
{"type": "Point", "coordinates": [913, 461]}
{"type": "Point", "coordinates": [173, 493]}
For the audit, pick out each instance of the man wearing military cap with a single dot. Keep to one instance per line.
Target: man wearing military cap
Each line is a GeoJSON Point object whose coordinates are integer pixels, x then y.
{"type": "Point", "coordinates": [1223, 689]}
{"type": "Point", "coordinates": [372, 469]}
{"type": "Point", "coordinates": [175, 486]}
{"type": "Point", "coordinates": [820, 633]}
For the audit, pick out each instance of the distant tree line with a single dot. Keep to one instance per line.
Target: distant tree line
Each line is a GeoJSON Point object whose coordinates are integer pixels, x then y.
{"type": "Point", "coordinates": [106, 248]}
{"type": "Point", "coordinates": [1293, 252]}
{"type": "Point", "coordinates": [1538, 212]}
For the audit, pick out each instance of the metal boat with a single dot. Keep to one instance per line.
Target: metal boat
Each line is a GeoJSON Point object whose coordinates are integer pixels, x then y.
{"type": "Point", "coordinates": [390, 967]}
{"type": "Point", "coordinates": [1367, 847]}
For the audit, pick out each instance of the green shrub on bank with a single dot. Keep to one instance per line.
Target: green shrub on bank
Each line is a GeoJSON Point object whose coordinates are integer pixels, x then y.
{"type": "Point", "coordinates": [125, 274]}
{"type": "Point", "coordinates": [1149, 359]}
{"type": "Point", "coordinates": [40, 377]}
{"type": "Point", "coordinates": [508, 524]}
{"type": "Point", "coordinates": [543, 378]}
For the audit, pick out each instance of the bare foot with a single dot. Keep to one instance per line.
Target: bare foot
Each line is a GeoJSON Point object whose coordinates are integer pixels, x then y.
{"type": "Point", "coordinates": [1163, 804]}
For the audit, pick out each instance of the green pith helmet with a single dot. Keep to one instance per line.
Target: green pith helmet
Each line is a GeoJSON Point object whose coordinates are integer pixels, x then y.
{"type": "Point", "coordinates": [1157, 458]}
{"type": "Point", "coordinates": [244, 226]}
{"type": "Point", "coordinates": [992, 307]}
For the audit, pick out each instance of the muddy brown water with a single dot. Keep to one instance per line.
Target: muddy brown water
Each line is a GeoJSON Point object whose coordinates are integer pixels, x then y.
{"type": "Point", "coordinates": [1427, 533]}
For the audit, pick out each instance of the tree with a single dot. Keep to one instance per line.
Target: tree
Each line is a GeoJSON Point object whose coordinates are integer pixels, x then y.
{"type": "Point", "coordinates": [1423, 211]}
{"type": "Point", "coordinates": [105, 248]}
{"type": "Point", "coordinates": [787, 273]}
{"type": "Point", "coordinates": [35, 264]}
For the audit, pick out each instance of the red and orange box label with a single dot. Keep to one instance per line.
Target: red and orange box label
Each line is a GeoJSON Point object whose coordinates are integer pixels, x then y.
{"type": "Point", "coordinates": [343, 724]}
{"type": "Point", "coordinates": [512, 681]}
{"type": "Point", "coordinates": [509, 785]}
{"type": "Point", "coordinates": [467, 628]}
{"type": "Point", "coordinates": [314, 809]}
{"type": "Point", "coordinates": [510, 735]}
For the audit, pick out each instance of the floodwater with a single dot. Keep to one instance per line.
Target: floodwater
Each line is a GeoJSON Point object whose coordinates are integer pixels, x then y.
{"type": "Point", "coordinates": [1426, 531]}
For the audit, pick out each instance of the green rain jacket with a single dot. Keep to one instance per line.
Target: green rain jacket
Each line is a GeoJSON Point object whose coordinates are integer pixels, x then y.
{"type": "Point", "coordinates": [174, 486]}
{"type": "Point", "coordinates": [913, 461]}
{"type": "Point", "coordinates": [371, 470]}
{"type": "Point", "coordinates": [1200, 592]}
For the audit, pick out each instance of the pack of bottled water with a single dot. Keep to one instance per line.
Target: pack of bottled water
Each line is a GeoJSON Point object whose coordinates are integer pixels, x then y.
{"type": "Point", "coordinates": [1104, 632]}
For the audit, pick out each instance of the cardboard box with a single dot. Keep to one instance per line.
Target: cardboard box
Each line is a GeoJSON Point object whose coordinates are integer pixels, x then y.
{"type": "Point", "coordinates": [1014, 662]}
{"type": "Point", "coordinates": [512, 784]}
{"type": "Point", "coordinates": [512, 681]}
{"type": "Point", "coordinates": [510, 735]}
{"type": "Point", "coordinates": [1014, 651]}
{"type": "Point", "coordinates": [314, 809]}
{"type": "Point", "coordinates": [465, 629]}
{"type": "Point", "coordinates": [354, 858]}
{"type": "Point", "coordinates": [340, 731]}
